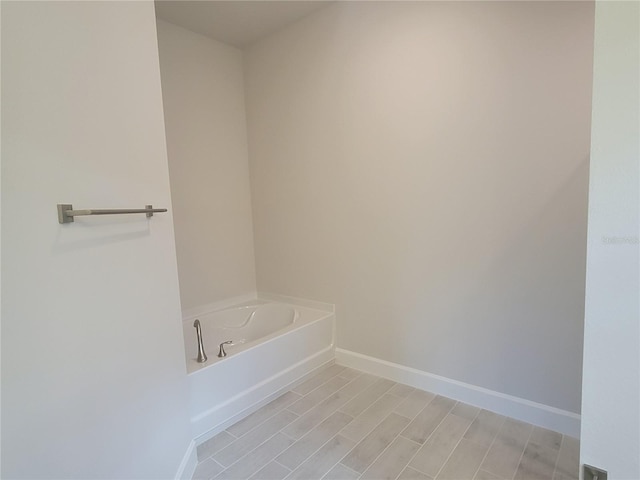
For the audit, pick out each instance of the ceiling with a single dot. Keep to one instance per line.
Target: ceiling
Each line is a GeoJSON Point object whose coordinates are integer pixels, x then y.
{"type": "Point", "coordinates": [236, 22]}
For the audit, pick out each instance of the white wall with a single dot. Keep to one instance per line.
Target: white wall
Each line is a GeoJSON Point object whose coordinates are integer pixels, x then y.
{"type": "Point", "coordinates": [93, 374]}
{"type": "Point", "coordinates": [424, 165]}
{"type": "Point", "coordinates": [611, 385]}
{"type": "Point", "coordinates": [203, 92]}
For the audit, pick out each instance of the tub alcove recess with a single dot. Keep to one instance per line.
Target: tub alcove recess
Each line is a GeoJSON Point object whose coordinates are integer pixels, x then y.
{"type": "Point", "coordinates": [275, 342]}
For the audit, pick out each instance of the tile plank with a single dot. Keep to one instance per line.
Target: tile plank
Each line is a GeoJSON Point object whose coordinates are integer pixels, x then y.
{"type": "Point", "coordinates": [359, 384]}
{"type": "Point", "coordinates": [428, 419]}
{"type": "Point", "coordinates": [256, 418]}
{"type": "Point", "coordinates": [213, 445]}
{"type": "Point", "coordinates": [303, 448]}
{"type": "Point", "coordinates": [401, 390]}
{"type": "Point", "coordinates": [323, 460]}
{"type": "Point", "coordinates": [414, 403]}
{"type": "Point", "coordinates": [413, 474]}
{"type": "Point", "coordinates": [350, 373]}
{"type": "Point", "coordinates": [317, 414]}
{"type": "Point", "coordinates": [239, 448]}
{"type": "Point", "coordinates": [546, 438]}
{"type": "Point", "coordinates": [504, 455]}
{"type": "Point", "coordinates": [373, 444]}
{"type": "Point", "coordinates": [371, 417]}
{"type": "Point", "coordinates": [318, 395]}
{"type": "Point", "coordinates": [257, 458]}
{"type": "Point", "coordinates": [363, 400]}
{"type": "Point", "coordinates": [568, 465]}
{"type": "Point", "coordinates": [272, 471]}
{"type": "Point", "coordinates": [340, 472]}
{"type": "Point", "coordinates": [392, 461]}
{"type": "Point", "coordinates": [484, 475]}
{"type": "Point", "coordinates": [317, 380]}
{"type": "Point", "coordinates": [537, 463]}
{"type": "Point", "coordinates": [485, 427]}
{"type": "Point", "coordinates": [465, 411]}
{"type": "Point", "coordinates": [436, 450]}
{"type": "Point", "coordinates": [463, 462]}
{"type": "Point", "coordinates": [206, 470]}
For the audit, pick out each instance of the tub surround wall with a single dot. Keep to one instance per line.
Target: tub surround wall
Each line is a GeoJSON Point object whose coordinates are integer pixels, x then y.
{"type": "Point", "coordinates": [93, 372]}
{"type": "Point", "coordinates": [424, 166]}
{"type": "Point", "coordinates": [202, 87]}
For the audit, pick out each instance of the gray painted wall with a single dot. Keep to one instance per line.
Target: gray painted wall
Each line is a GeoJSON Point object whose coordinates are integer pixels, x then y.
{"type": "Point", "coordinates": [203, 95]}
{"type": "Point", "coordinates": [424, 165]}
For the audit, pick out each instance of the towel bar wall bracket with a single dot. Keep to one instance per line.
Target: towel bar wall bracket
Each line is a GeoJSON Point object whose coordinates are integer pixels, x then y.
{"type": "Point", "coordinates": [66, 212]}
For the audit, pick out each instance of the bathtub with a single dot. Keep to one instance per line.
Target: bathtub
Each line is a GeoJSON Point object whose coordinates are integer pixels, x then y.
{"type": "Point", "coordinates": [273, 344]}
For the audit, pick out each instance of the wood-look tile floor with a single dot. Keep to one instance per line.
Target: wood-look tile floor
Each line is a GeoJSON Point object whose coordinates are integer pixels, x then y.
{"type": "Point", "coordinates": [342, 424]}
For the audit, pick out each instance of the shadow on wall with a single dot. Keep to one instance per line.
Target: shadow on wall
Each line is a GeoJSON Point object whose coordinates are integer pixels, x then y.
{"type": "Point", "coordinates": [99, 232]}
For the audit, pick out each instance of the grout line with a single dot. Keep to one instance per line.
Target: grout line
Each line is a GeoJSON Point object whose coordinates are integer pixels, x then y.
{"type": "Point", "coordinates": [489, 449]}
{"type": "Point", "coordinates": [258, 446]}
{"type": "Point", "coordinates": [199, 461]}
{"type": "Point", "coordinates": [324, 400]}
{"type": "Point", "coordinates": [289, 436]}
{"type": "Point", "coordinates": [432, 433]}
{"type": "Point", "coordinates": [407, 399]}
{"type": "Point", "coordinates": [394, 438]}
{"type": "Point", "coordinates": [276, 412]}
{"type": "Point", "coordinates": [337, 409]}
{"type": "Point", "coordinates": [368, 433]}
{"type": "Point", "coordinates": [221, 466]}
{"type": "Point", "coordinates": [348, 468]}
{"type": "Point", "coordinates": [320, 447]}
{"type": "Point", "coordinates": [376, 425]}
{"type": "Point", "coordinates": [283, 466]}
{"type": "Point", "coordinates": [522, 454]}
{"type": "Point", "coordinates": [555, 466]}
{"type": "Point", "coordinates": [315, 426]}
{"type": "Point", "coordinates": [457, 444]}
{"type": "Point", "coordinates": [279, 431]}
{"type": "Point", "coordinates": [337, 374]}
{"type": "Point", "coordinates": [245, 456]}
{"type": "Point", "coordinates": [384, 449]}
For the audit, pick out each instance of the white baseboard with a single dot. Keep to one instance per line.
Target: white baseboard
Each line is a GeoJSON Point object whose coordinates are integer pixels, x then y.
{"type": "Point", "coordinates": [188, 463]}
{"type": "Point", "coordinates": [562, 421]}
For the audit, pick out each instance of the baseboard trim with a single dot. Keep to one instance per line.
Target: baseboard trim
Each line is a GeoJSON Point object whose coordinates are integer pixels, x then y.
{"type": "Point", "coordinates": [562, 421]}
{"type": "Point", "coordinates": [188, 464]}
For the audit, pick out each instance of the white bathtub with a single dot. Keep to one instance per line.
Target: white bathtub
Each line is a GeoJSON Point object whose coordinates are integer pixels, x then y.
{"type": "Point", "coordinates": [274, 344]}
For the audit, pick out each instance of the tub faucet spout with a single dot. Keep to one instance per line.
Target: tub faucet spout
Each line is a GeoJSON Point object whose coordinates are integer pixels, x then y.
{"type": "Point", "coordinates": [202, 357]}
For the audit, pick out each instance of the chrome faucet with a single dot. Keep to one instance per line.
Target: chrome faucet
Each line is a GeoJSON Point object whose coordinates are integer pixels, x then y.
{"type": "Point", "coordinates": [202, 357]}
{"type": "Point", "coordinates": [222, 353]}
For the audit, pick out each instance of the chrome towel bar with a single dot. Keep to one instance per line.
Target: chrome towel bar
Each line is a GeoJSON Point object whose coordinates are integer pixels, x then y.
{"type": "Point", "coordinates": [66, 212]}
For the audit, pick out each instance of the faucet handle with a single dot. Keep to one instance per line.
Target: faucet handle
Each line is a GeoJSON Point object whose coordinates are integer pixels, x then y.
{"type": "Point", "coordinates": [222, 353]}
